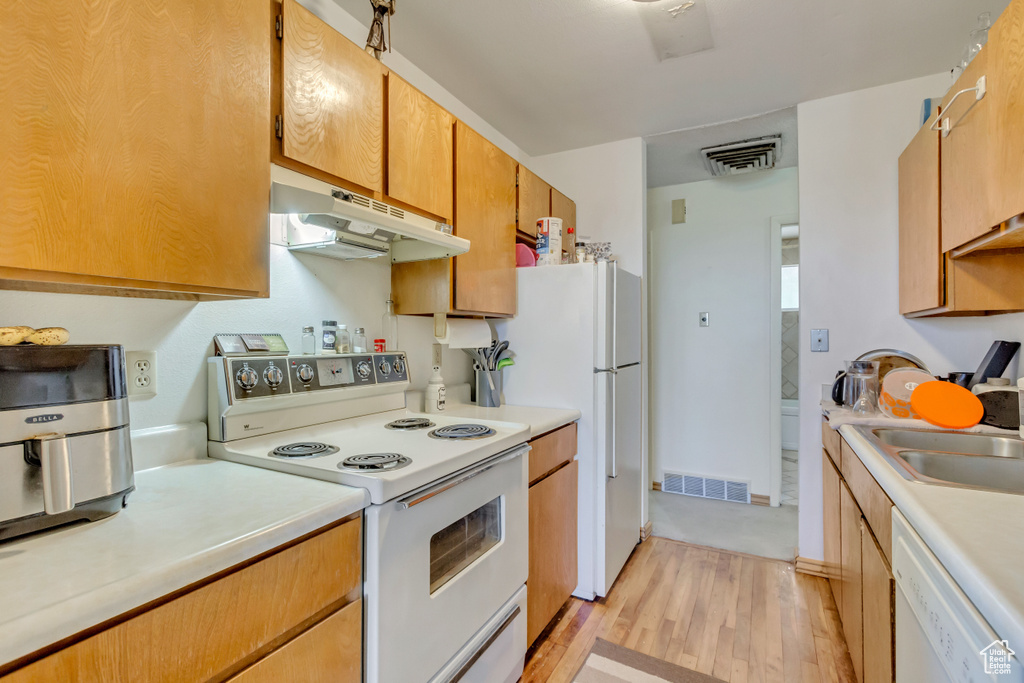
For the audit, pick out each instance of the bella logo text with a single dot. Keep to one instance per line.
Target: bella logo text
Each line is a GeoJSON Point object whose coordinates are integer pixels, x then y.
{"type": "Point", "coordinates": [38, 419]}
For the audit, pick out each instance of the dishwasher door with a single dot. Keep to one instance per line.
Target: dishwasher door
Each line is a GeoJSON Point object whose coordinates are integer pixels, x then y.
{"type": "Point", "coordinates": [940, 635]}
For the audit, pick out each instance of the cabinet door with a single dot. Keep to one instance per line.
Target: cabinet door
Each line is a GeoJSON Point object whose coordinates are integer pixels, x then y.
{"type": "Point", "coordinates": [485, 276]}
{"type": "Point", "coordinates": [135, 146]}
{"type": "Point", "coordinates": [852, 612]}
{"type": "Point", "coordinates": [565, 208]}
{"type": "Point", "coordinates": [332, 101]}
{"type": "Point", "coordinates": [832, 529]}
{"type": "Point", "coordinates": [1005, 64]}
{"type": "Point", "coordinates": [534, 201]}
{"type": "Point", "coordinates": [552, 547]}
{"type": "Point", "coordinates": [879, 597]}
{"type": "Point", "coordinates": [330, 652]}
{"type": "Point", "coordinates": [922, 282]}
{"type": "Point", "coordinates": [419, 150]}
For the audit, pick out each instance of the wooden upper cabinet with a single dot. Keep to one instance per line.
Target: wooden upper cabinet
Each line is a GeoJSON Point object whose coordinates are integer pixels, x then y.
{"type": "Point", "coordinates": [922, 278]}
{"type": "Point", "coordinates": [534, 201]}
{"type": "Point", "coordinates": [485, 214]}
{"type": "Point", "coordinates": [565, 208]}
{"type": "Point", "coordinates": [332, 102]}
{"type": "Point", "coordinates": [420, 138]}
{"type": "Point", "coordinates": [135, 147]}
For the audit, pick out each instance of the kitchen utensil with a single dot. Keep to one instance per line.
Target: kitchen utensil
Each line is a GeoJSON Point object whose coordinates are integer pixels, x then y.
{"type": "Point", "coordinates": [1002, 408]}
{"type": "Point", "coordinates": [961, 378]}
{"type": "Point", "coordinates": [496, 353]}
{"type": "Point", "coordinates": [897, 389]}
{"type": "Point", "coordinates": [995, 362]}
{"type": "Point", "coordinates": [488, 388]}
{"type": "Point", "coordinates": [862, 386]}
{"type": "Point", "coordinates": [839, 388]}
{"type": "Point", "coordinates": [947, 405]}
{"type": "Point", "coordinates": [504, 363]}
{"type": "Point", "coordinates": [891, 359]}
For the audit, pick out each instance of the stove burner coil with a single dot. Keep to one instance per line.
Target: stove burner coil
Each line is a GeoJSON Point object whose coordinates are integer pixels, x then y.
{"type": "Point", "coordinates": [304, 449]}
{"type": "Point", "coordinates": [462, 431]}
{"type": "Point", "coordinates": [374, 462]}
{"type": "Point", "coordinates": [409, 423]}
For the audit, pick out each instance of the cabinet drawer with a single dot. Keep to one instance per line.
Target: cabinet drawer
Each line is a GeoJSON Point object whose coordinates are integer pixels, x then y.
{"type": "Point", "coordinates": [553, 549]}
{"type": "Point", "coordinates": [330, 652]}
{"type": "Point", "coordinates": [207, 631]}
{"type": "Point", "coordinates": [551, 450]}
{"type": "Point", "coordinates": [830, 442]}
{"type": "Point", "coordinates": [873, 502]}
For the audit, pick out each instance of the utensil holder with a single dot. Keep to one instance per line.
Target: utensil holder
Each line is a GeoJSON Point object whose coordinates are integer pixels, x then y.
{"type": "Point", "coordinates": [485, 397]}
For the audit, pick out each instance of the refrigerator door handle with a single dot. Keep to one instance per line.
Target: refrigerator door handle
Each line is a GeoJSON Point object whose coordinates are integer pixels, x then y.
{"type": "Point", "coordinates": [613, 466]}
{"type": "Point", "coordinates": [611, 371]}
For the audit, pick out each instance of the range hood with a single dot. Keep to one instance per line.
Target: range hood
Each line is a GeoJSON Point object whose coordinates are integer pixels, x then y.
{"type": "Point", "coordinates": [327, 221]}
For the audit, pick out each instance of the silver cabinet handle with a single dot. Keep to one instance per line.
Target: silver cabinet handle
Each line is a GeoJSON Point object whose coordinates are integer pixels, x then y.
{"type": "Point", "coordinates": [493, 636]}
{"type": "Point", "coordinates": [55, 459]}
{"type": "Point", "coordinates": [426, 494]}
{"type": "Point", "coordinates": [943, 125]}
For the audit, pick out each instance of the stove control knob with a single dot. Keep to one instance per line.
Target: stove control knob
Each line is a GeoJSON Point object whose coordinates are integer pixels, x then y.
{"type": "Point", "coordinates": [399, 366]}
{"type": "Point", "coordinates": [273, 376]}
{"type": "Point", "coordinates": [385, 367]}
{"type": "Point", "coordinates": [246, 378]}
{"type": "Point", "coordinates": [364, 369]}
{"type": "Point", "coordinates": [305, 373]}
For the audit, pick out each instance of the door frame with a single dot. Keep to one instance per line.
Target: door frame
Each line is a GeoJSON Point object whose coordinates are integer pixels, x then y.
{"type": "Point", "coordinates": [775, 356]}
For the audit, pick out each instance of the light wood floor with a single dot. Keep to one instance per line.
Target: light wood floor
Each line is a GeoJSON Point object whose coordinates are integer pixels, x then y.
{"type": "Point", "coordinates": [737, 617]}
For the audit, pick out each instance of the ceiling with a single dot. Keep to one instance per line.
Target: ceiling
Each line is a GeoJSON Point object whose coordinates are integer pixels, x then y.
{"type": "Point", "coordinates": [554, 75]}
{"type": "Point", "coordinates": [674, 158]}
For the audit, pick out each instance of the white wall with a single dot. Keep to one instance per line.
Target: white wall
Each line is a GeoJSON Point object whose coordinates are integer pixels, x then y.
{"type": "Point", "coordinates": [849, 279]}
{"type": "Point", "coordinates": [710, 387]}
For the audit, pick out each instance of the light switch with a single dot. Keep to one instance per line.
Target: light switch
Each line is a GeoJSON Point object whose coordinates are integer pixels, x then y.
{"type": "Point", "coordinates": [705, 319]}
{"type": "Point", "coordinates": [819, 341]}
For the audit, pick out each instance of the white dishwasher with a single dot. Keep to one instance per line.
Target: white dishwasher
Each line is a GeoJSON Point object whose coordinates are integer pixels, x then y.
{"type": "Point", "coordinates": [940, 635]}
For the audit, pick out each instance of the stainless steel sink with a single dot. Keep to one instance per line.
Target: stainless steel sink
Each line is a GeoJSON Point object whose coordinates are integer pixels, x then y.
{"type": "Point", "coordinates": [978, 461]}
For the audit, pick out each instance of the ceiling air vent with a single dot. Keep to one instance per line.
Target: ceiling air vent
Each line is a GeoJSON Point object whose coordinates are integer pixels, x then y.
{"type": "Point", "coordinates": [757, 154]}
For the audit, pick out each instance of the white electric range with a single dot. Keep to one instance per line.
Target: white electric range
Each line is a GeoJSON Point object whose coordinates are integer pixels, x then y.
{"type": "Point", "coordinates": [446, 534]}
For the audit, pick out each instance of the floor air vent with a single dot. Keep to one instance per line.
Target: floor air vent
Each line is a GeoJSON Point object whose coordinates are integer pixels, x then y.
{"type": "Point", "coordinates": [757, 154]}
{"type": "Point", "coordinates": [706, 487]}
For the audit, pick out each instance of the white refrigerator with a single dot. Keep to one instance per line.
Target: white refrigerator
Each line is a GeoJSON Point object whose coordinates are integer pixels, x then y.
{"type": "Point", "coordinates": [576, 339]}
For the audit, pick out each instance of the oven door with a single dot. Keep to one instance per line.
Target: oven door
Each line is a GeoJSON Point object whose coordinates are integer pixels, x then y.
{"type": "Point", "coordinates": [440, 563]}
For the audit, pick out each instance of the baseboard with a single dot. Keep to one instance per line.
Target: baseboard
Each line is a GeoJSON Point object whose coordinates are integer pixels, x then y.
{"type": "Point", "coordinates": [656, 486]}
{"type": "Point", "coordinates": [758, 499]}
{"type": "Point", "coordinates": [805, 565]}
{"type": "Point", "coordinates": [647, 530]}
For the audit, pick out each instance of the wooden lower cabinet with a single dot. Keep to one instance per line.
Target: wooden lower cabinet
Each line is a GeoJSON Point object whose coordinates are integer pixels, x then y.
{"type": "Point", "coordinates": [330, 652]}
{"type": "Point", "coordinates": [554, 482]}
{"type": "Point", "coordinates": [277, 603]}
{"type": "Point", "coordinates": [851, 611]}
{"type": "Point", "coordinates": [879, 598]}
{"type": "Point", "coordinates": [831, 483]}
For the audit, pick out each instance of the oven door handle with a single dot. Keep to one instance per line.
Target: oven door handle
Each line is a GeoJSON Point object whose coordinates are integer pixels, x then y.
{"type": "Point", "coordinates": [491, 637]}
{"type": "Point", "coordinates": [426, 494]}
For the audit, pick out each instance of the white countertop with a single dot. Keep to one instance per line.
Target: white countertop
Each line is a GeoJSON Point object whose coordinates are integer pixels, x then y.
{"type": "Point", "coordinates": [978, 536]}
{"type": "Point", "coordinates": [183, 523]}
{"type": "Point", "coordinates": [540, 420]}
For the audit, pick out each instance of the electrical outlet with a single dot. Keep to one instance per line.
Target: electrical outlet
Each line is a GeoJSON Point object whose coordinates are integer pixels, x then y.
{"type": "Point", "coordinates": [436, 358]}
{"type": "Point", "coordinates": [141, 373]}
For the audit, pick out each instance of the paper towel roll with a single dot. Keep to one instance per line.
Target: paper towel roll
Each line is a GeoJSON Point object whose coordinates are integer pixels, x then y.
{"type": "Point", "coordinates": [466, 334]}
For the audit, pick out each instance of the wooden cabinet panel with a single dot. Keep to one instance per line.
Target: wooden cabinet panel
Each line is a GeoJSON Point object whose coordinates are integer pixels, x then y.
{"type": "Point", "coordinates": [565, 208]}
{"type": "Point", "coordinates": [332, 101]}
{"type": "Point", "coordinates": [551, 450]}
{"type": "Point", "coordinates": [186, 639]}
{"type": "Point", "coordinates": [922, 281]}
{"type": "Point", "coordinates": [485, 214]}
{"type": "Point", "coordinates": [420, 138]}
{"type": "Point", "coordinates": [872, 500]}
{"type": "Point", "coordinates": [830, 440]}
{"type": "Point", "coordinates": [832, 527]}
{"type": "Point", "coordinates": [553, 551]}
{"type": "Point", "coordinates": [128, 126]}
{"type": "Point", "coordinates": [330, 652]}
{"type": "Point", "coordinates": [852, 609]}
{"type": "Point", "coordinates": [1005, 75]}
{"type": "Point", "coordinates": [533, 201]}
{"type": "Point", "coordinates": [879, 598]}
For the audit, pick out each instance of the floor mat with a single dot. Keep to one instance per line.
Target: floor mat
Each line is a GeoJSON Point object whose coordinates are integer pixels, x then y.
{"type": "Point", "coordinates": [610, 663]}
